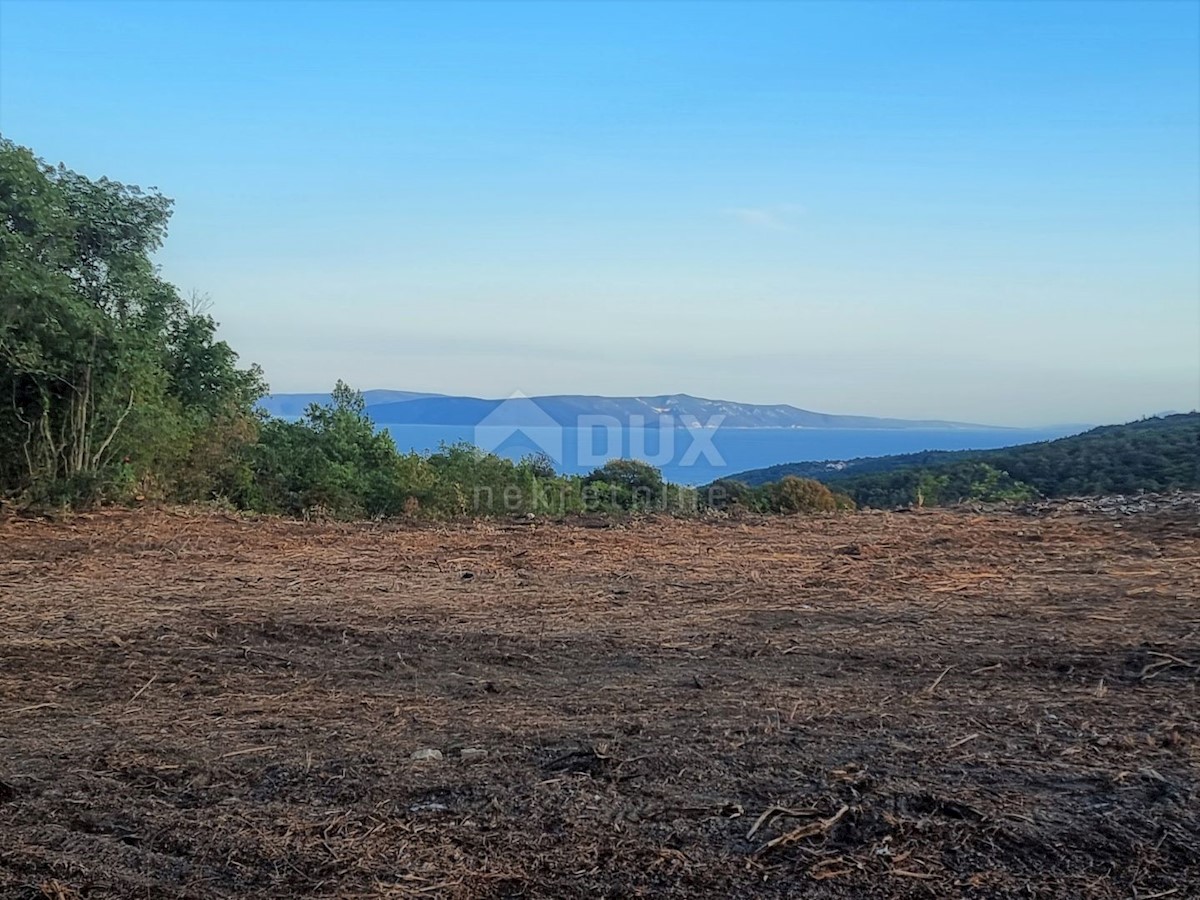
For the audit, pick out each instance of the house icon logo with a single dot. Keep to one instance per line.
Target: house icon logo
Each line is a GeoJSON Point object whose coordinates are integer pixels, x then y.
{"type": "Point", "coordinates": [520, 422]}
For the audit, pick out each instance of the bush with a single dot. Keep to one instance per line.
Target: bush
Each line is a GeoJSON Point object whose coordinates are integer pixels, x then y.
{"type": "Point", "coordinates": [625, 484]}
{"type": "Point", "coordinates": [334, 461]}
{"type": "Point", "coordinates": [801, 495]}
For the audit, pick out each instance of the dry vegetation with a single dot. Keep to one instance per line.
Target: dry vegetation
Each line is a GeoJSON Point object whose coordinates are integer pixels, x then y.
{"type": "Point", "coordinates": [930, 704]}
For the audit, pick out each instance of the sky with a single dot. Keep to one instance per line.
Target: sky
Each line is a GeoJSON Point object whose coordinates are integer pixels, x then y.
{"type": "Point", "coordinates": [980, 211]}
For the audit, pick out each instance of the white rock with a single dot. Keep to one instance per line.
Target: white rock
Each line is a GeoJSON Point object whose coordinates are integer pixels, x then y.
{"type": "Point", "coordinates": [429, 807]}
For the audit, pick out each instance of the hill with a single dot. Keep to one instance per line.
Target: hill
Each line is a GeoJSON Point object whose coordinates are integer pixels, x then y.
{"type": "Point", "coordinates": [1151, 454]}
{"type": "Point", "coordinates": [409, 408]}
{"type": "Point", "coordinates": [290, 406]}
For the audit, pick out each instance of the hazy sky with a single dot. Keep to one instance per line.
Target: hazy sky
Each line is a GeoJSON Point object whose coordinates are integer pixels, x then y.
{"type": "Point", "coordinates": [982, 211]}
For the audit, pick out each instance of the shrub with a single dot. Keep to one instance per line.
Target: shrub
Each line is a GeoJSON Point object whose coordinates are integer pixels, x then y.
{"type": "Point", "coordinates": [801, 495]}
{"type": "Point", "coordinates": [625, 484]}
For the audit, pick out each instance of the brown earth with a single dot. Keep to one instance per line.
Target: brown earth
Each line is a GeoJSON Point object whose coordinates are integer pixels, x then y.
{"type": "Point", "coordinates": [925, 704]}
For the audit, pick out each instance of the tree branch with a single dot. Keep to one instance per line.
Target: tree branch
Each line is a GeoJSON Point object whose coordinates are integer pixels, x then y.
{"type": "Point", "coordinates": [112, 434]}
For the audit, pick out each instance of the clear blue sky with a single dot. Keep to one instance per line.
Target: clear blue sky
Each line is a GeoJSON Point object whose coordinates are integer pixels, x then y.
{"type": "Point", "coordinates": [983, 211]}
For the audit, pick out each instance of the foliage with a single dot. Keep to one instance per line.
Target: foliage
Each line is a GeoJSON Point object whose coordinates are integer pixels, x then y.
{"type": "Point", "coordinates": [335, 462]}
{"type": "Point", "coordinates": [332, 460]}
{"type": "Point", "coordinates": [110, 383]}
{"type": "Point", "coordinates": [789, 495]}
{"type": "Point", "coordinates": [730, 494]}
{"type": "Point", "coordinates": [626, 484]}
{"type": "Point", "coordinates": [801, 495]}
{"type": "Point", "coordinates": [1157, 454]}
{"type": "Point", "coordinates": [940, 486]}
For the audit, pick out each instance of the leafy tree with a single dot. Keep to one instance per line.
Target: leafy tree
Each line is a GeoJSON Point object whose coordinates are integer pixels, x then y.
{"type": "Point", "coordinates": [729, 494]}
{"type": "Point", "coordinates": [333, 460]}
{"type": "Point", "coordinates": [625, 484]}
{"type": "Point", "coordinates": [929, 488]}
{"type": "Point", "coordinates": [540, 465]}
{"type": "Point", "coordinates": [107, 378]}
{"type": "Point", "coordinates": [202, 371]}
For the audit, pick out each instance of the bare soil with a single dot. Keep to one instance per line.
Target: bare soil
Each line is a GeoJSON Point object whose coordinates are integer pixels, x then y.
{"type": "Point", "coordinates": [913, 705]}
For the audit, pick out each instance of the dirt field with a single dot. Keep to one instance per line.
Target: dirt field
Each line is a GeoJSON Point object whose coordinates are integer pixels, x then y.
{"type": "Point", "coordinates": [914, 705]}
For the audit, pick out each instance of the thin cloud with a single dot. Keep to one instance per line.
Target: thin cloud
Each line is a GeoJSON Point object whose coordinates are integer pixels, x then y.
{"type": "Point", "coordinates": [778, 217]}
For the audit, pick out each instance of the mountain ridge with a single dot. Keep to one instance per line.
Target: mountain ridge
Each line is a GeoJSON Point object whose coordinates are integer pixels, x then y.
{"type": "Point", "coordinates": [566, 410]}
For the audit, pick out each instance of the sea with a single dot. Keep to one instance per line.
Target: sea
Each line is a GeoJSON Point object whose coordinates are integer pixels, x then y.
{"type": "Point", "coordinates": [702, 455]}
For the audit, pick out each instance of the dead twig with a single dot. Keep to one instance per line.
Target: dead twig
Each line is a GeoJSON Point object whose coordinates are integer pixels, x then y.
{"type": "Point", "coordinates": [804, 831]}
{"type": "Point", "coordinates": [908, 873]}
{"type": "Point", "coordinates": [24, 709]}
{"type": "Point", "coordinates": [245, 751]}
{"type": "Point", "coordinates": [933, 687]}
{"type": "Point", "coordinates": [142, 689]}
{"type": "Point", "coordinates": [1166, 662]}
{"type": "Point", "coordinates": [773, 811]}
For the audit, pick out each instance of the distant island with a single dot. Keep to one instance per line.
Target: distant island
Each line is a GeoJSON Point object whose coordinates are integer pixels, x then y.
{"type": "Point", "coordinates": [388, 407]}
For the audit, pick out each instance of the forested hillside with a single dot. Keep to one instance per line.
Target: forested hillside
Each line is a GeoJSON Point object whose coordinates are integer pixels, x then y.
{"type": "Point", "coordinates": [1148, 455]}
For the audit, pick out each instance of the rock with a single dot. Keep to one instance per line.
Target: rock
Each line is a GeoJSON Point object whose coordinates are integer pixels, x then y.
{"type": "Point", "coordinates": [427, 755]}
{"type": "Point", "coordinates": [472, 754]}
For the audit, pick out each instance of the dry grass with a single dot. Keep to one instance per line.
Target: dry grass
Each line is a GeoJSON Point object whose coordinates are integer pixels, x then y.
{"type": "Point", "coordinates": [930, 704]}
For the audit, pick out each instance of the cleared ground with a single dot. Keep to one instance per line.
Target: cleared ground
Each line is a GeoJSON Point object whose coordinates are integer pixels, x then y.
{"type": "Point", "coordinates": [923, 704]}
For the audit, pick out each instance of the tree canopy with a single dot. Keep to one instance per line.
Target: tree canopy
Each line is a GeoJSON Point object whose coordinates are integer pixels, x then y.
{"type": "Point", "coordinates": [107, 375]}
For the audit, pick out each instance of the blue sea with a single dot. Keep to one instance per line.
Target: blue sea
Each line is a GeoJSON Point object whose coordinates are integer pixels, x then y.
{"type": "Point", "coordinates": [700, 456]}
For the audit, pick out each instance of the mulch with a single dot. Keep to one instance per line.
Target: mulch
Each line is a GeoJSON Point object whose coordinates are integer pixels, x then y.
{"type": "Point", "coordinates": [924, 704]}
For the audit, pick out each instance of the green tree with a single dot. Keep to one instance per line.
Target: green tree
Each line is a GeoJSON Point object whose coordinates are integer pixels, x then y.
{"type": "Point", "coordinates": [626, 484]}
{"type": "Point", "coordinates": [730, 494]}
{"type": "Point", "coordinates": [106, 375]}
{"type": "Point", "coordinates": [333, 460]}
